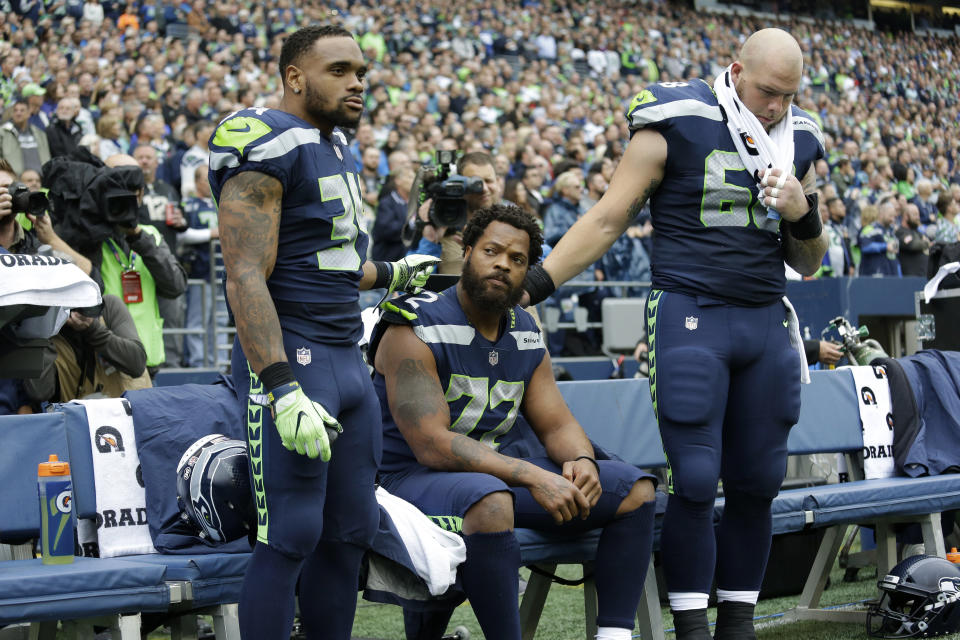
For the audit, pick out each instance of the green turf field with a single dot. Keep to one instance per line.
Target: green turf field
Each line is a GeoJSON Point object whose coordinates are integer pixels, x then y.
{"type": "Point", "coordinates": [563, 615]}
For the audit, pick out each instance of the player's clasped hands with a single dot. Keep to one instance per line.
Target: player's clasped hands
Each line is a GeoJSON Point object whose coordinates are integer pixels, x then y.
{"type": "Point", "coordinates": [783, 192]}
{"type": "Point", "coordinates": [304, 425]}
{"type": "Point", "coordinates": [560, 497]}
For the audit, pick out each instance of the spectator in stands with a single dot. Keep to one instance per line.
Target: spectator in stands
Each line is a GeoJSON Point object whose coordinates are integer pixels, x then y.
{"type": "Point", "coordinates": [914, 244]}
{"type": "Point", "coordinates": [947, 228]}
{"type": "Point", "coordinates": [196, 156]}
{"type": "Point", "coordinates": [22, 144]}
{"type": "Point", "coordinates": [391, 217]}
{"type": "Point", "coordinates": [151, 271]}
{"type": "Point", "coordinates": [201, 213]}
{"type": "Point", "coordinates": [110, 130]}
{"type": "Point", "coordinates": [926, 203]}
{"type": "Point", "coordinates": [515, 192]}
{"type": "Point", "coordinates": [160, 208]}
{"type": "Point", "coordinates": [878, 243]}
{"type": "Point", "coordinates": [96, 353]}
{"type": "Point", "coordinates": [564, 208]}
{"type": "Point", "coordinates": [838, 261]}
{"type": "Point", "coordinates": [64, 133]}
{"type": "Point", "coordinates": [480, 478]}
{"type": "Point", "coordinates": [596, 187]}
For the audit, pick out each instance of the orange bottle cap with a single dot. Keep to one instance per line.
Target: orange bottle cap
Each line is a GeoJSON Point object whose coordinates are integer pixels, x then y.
{"type": "Point", "coordinates": [53, 467]}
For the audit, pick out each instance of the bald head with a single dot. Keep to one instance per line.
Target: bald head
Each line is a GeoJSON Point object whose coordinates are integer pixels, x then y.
{"type": "Point", "coordinates": [772, 50]}
{"type": "Point", "coordinates": [768, 73]}
{"type": "Point", "coordinates": [121, 160]}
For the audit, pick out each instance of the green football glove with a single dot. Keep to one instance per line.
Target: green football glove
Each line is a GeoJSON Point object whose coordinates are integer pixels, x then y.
{"type": "Point", "coordinates": [410, 273]}
{"type": "Point", "coordinates": [304, 425]}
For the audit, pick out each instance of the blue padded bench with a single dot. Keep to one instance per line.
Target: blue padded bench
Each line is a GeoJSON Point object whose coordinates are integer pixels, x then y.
{"type": "Point", "coordinates": [113, 591]}
{"type": "Point", "coordinates": [206, 583]}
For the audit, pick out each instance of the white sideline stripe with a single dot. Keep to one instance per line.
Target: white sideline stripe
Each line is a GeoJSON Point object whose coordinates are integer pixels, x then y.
{"type": "Point", "coordinates": [446, 334]}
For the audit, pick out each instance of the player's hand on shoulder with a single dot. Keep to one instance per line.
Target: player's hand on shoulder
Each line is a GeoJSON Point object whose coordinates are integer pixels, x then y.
{"type": "Point", "coordinates": [410, 273]}
{"type": "Point", "coordinates": [559, 497]}
{"type": "Point", "coordinates": [584, 475]}
{"type": "Point", "coordinates": [784, 193]}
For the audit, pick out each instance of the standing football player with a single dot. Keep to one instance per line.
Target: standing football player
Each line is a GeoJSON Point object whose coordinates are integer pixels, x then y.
{"type": "Point", "coordinates": [289, 199]}
{"type": "Point", "coordinates": [719, 166]}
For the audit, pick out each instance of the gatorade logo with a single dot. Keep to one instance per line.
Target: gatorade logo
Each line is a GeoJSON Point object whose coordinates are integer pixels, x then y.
{"type": "Point", "coordinates": [867, 395]}
{"type": "Point", "coordinates": [63, 501]}
{"type": "Point", "coordinates": [108, 439]}
{"type": "Point", "coordinates": [879, 371]}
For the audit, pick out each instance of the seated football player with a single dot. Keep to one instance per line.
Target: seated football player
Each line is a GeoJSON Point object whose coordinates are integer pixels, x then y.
{"type": "Point", "coordinates": [478, 437]}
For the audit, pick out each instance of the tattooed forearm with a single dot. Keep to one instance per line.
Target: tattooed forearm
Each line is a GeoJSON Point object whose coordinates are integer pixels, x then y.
{"type": "Point", "coordinates": [637, 205]}
{"type": "Point", "coordinates": [249, 220]}
{"type": "Point", "coordinates": [415, 395]}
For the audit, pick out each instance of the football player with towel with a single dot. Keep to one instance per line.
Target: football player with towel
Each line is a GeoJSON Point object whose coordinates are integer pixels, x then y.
{"type": "Point", "coordinates": [720, 167]}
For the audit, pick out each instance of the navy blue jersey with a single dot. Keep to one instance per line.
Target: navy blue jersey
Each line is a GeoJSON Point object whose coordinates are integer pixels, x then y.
{"type": "Point", "coordinates": [321, 244]}
{"type": "Point", "coordinates": [712, 236]}
{"type": "Point", "coordinates": [483, 381]}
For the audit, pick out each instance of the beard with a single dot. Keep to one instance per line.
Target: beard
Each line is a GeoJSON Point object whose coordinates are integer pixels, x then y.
{"type": "Point", "coordinates": [496, 300]}
{"type": "Point", "coordinates": [318, 108]}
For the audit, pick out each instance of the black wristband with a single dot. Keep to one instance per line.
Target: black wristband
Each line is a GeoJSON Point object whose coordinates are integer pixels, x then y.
{"type": "Point", "coordinates": [384, 275]}
{"type": "Point", "coordinates": [538, 284]}
{"type": "Point", "coordinates": [593, 460]}
{"type": "Point", "coordinates": [276, 374]}
{"type": "Point", "coordinates": [809, 226]}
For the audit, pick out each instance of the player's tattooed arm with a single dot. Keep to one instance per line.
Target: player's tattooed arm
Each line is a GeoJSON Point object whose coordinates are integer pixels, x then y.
{"type": "Point", "coordinates": [805, 256]}
{"type": "Point", "coordinates": [637, 205]}
{"type": "Point", "coordinates": [249, 217]}
{"type": "Point", "coordinates": [420, 410]}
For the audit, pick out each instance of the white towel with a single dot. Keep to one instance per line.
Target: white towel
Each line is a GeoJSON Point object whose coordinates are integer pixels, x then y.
{"type": "Point", "coordinates": [793, 327]}
{"type": "Point", "coordinates": [930, 289]}
{"type": "Point", "coordinates": [121, 501]}
{"type": "Point", "coordinates": [45, 281]}
{"type": "Point", "coordinates": [760, 151]}
{"type": "Point", "coordinates": [876, 418]}
{"type": "Point", "coordinates": [435, 553]}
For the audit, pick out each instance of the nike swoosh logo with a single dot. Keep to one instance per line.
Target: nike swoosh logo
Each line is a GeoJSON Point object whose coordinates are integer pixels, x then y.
{"type": "Point", "coordinates": [785, 323]}
{"type": "Point", "coordinates": [244, 130]}
{"type": "Point", "coordinates": [300, 417]}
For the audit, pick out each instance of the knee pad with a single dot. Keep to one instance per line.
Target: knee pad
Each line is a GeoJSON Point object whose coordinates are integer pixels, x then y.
{"type": "Point", "coordinates": [691, 385]}
{"type": "Point", "coordinates": [296, 534]}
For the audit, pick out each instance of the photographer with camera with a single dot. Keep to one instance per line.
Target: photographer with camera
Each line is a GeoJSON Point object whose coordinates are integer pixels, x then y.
{"type": "Point", "coordinates": [447, 202]}
{"type": "Point", "coordinates": [137, 266]}
{"type": "Point", "coordinates": [97, 351]}
{"type": "Point", "coordinates": [18, 204]}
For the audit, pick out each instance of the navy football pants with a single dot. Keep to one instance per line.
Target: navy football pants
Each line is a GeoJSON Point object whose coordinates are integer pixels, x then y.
{"type": "Point", "coordinates": [314, 518]}
{"type": "Point", "coordinates": [725, 384]}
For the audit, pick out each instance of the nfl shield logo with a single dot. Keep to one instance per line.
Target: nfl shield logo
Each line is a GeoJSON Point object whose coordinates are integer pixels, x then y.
{"type": "Point", "coordinates": [303, 356]}
{"type": "Point", "coordinates": [493, 358]}
{"type": "Point", "coordinates": [691, 322]}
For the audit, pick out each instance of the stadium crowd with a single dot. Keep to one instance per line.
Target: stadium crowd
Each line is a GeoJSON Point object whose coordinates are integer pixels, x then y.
{"type": "Point", "coordinates": [540, 86]}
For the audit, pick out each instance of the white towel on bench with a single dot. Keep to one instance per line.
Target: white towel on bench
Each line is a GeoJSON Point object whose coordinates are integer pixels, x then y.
{"type": "Point", "coordinates": [876, 418]}
{"type": "Point", "coordinates": [435, 553]}
{"type": "Point", "coordinates": [121, 501]}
